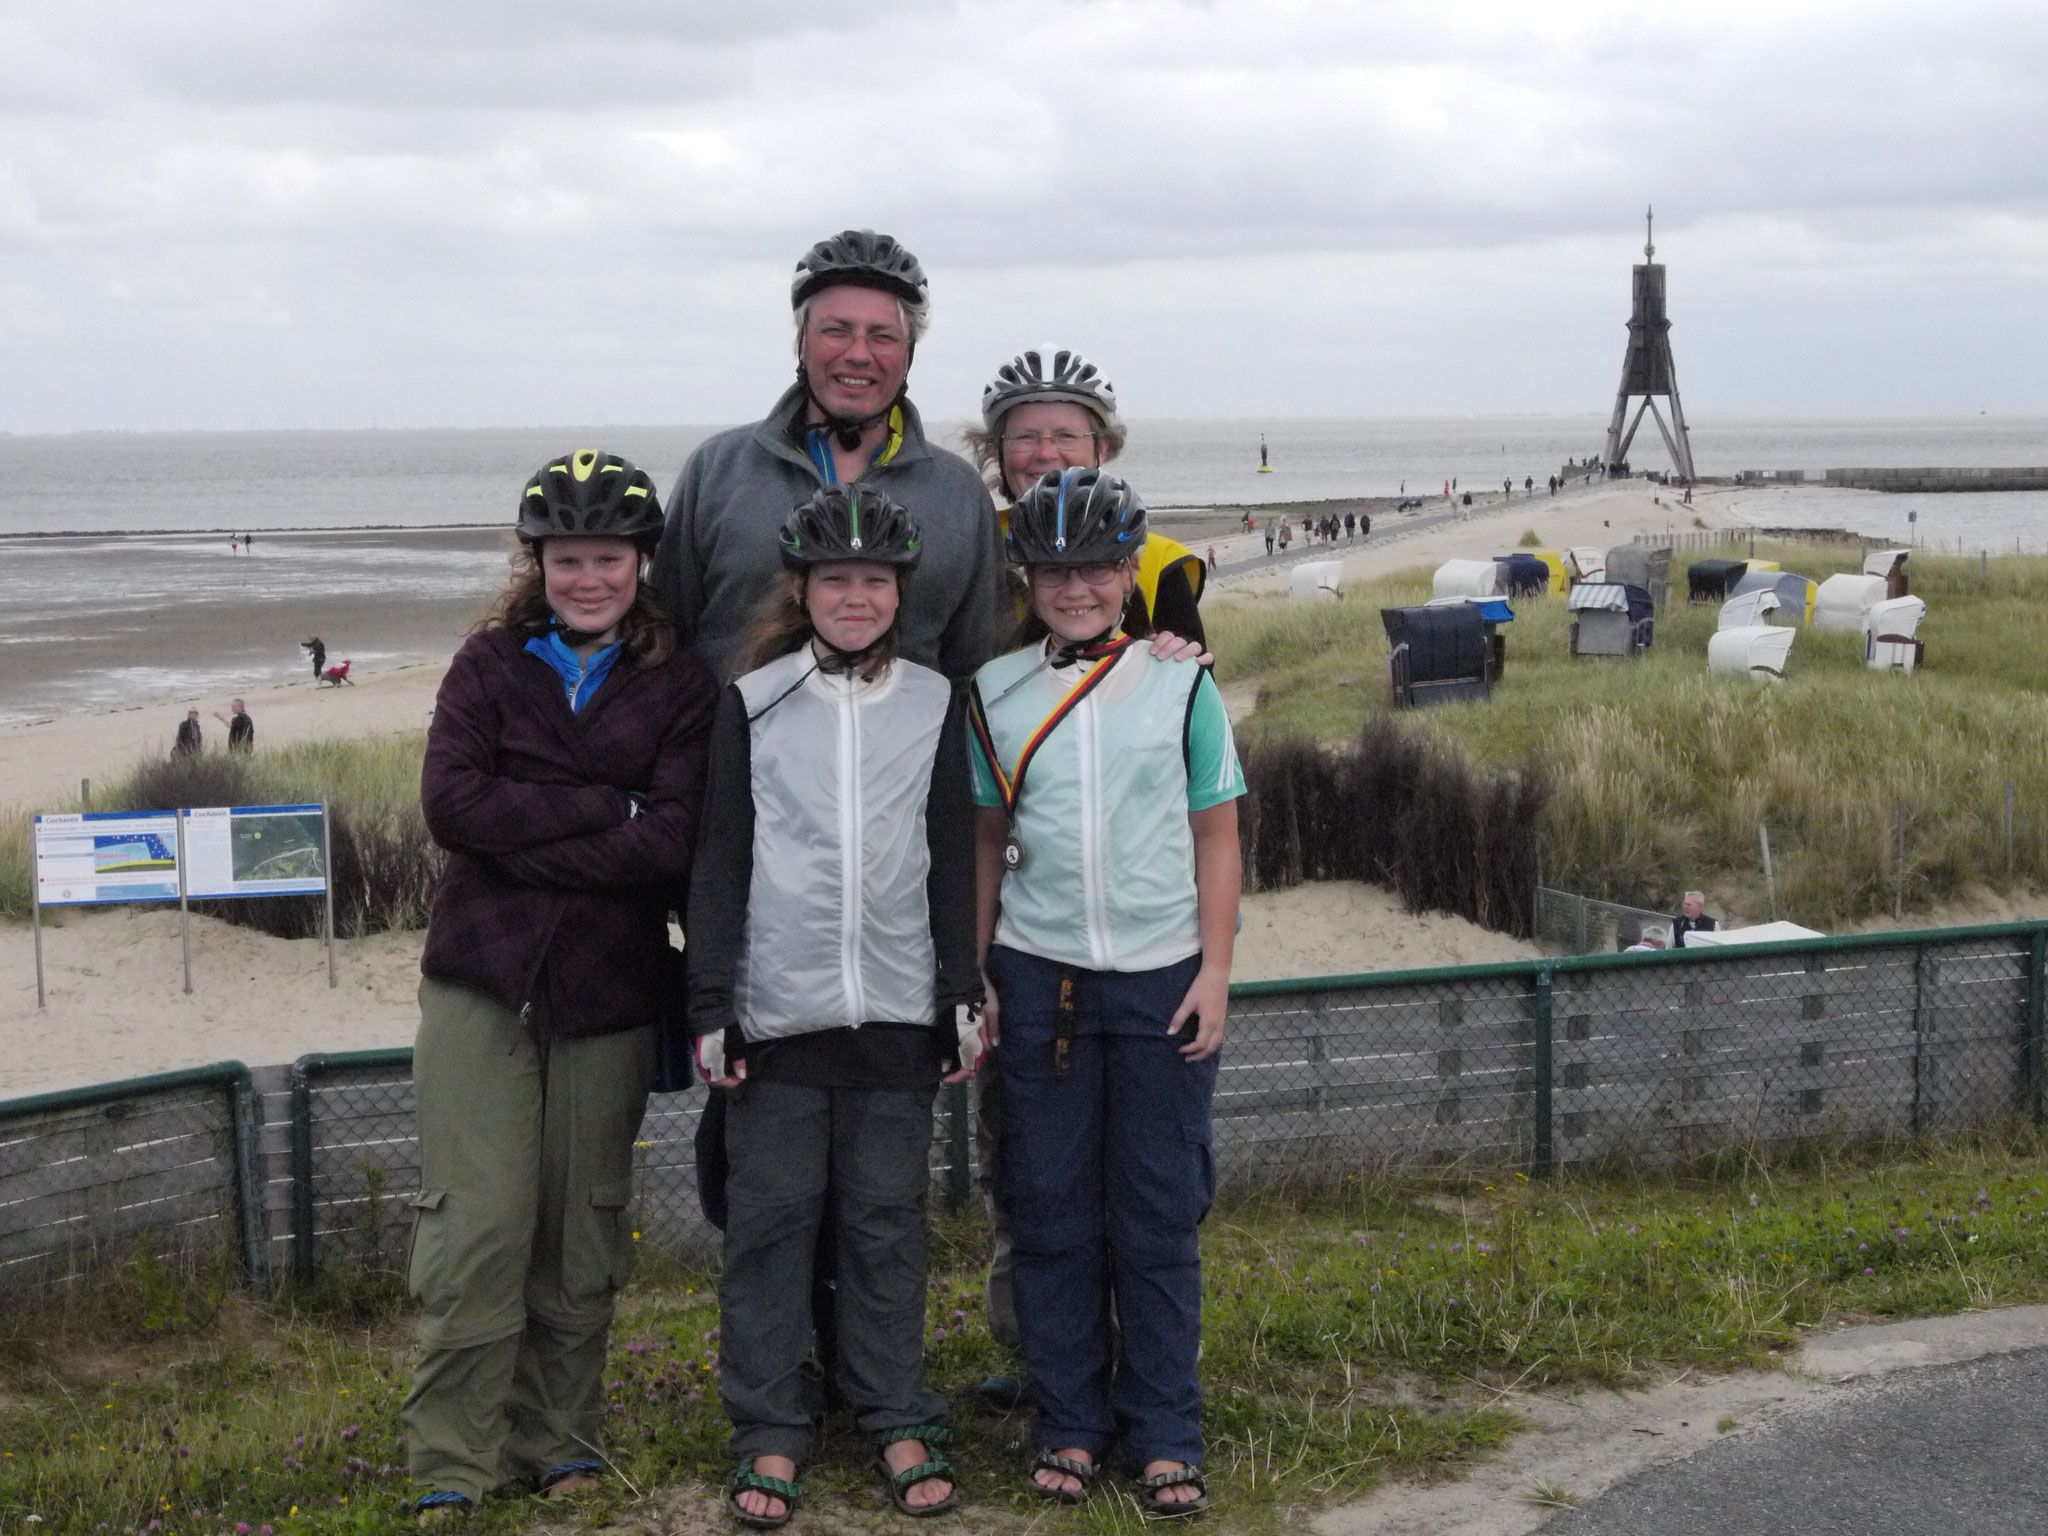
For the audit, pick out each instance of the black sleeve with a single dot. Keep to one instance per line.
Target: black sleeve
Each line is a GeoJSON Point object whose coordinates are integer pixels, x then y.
{"type": "Point", "coordinates": [715, 926]}
{"type": "Point", "coordinates": [1175, 610]}
{"type": "Point", "coordinates": [949, 829]}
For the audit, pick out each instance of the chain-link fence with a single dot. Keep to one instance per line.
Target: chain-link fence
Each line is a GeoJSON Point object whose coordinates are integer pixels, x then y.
{"type": "Point", "coordinates": [1654, 1056]}
{"type": "Point", "coordinates": [1570, 924]}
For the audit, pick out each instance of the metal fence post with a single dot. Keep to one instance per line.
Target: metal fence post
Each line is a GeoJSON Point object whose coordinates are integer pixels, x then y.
{"type": "Point", "coordinates": [302, 1173]}
{"type": "Point", "coordinates": [1541, 1157]}
{"type": "Point", "coordinates": [960, 1176]}
{"type": "Point", "coordinates": [247, 1105]}
{"type": "Point", "coordinates": [2037, 1010]}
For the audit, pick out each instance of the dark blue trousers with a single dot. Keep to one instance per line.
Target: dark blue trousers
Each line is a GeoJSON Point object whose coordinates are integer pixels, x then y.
{"type": "Point", "coordinates": [1105, 1172]}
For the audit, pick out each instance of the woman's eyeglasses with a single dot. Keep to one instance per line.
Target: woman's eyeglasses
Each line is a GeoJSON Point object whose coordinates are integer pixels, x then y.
{"type": "Point", "coordinates": [1024, 445]}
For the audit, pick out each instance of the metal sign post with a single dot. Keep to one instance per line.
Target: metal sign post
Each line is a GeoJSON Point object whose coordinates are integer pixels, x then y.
{"type": "Point", "coordinates": [184, 908]}
{"type": "Point", "coordinates": [35, 910]}
{"type": "Point", "coordinates": [327, 879]}
{"type": "Point", "coordinates": [1770, 880]}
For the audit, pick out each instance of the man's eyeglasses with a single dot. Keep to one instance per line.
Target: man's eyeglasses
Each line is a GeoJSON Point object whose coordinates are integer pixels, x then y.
{"type": "Point", "coordinates": [1053, 577]}
{"type": "Point", "coordinates": [1025, 445]}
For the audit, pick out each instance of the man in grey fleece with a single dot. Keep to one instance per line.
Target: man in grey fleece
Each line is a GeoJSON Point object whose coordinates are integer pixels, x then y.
{"type": "Point", "coordinates": [861, 304]}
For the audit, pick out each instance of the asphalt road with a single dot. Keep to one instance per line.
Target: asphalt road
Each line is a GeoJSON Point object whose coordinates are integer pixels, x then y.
{"type": "Point", "coordinates": [1958, 1450]}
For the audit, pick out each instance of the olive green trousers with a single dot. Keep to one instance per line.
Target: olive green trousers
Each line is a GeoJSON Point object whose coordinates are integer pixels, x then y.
{"type": "Point", "coordinates": [522, 1238]}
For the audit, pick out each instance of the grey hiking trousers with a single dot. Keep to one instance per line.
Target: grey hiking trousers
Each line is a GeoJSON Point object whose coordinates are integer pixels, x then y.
{"type": "Point", "coordinates": [789, 1145]}
{"type": "Point", "coordinates": [522, 1238]}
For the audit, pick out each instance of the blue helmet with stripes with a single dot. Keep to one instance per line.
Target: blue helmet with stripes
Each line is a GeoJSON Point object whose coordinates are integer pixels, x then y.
{"type": "Point", "coordinates": [1076, 517]}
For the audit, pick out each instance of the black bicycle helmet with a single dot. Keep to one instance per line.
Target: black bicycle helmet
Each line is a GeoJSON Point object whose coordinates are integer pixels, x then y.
{"type": "Point", "coordinates": [860, 258]}
{"type": "Point", "coordinates": [843, 522]}
{"type": "Point", "coordinates": [590, 492]}
{"type": "Point", "coordinates": [1045, 374]}
{"type": "Point", "coordinates": [1076, 517]}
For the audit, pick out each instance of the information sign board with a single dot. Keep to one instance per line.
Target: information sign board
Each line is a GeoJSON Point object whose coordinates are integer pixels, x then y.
{"type": "Point", "coordinates": [255, 850]}
{"type": "Point", "coordinates": [90, 857]}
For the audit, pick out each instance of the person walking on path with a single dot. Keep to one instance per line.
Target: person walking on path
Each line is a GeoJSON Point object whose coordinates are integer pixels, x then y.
{"type": "Point", "coordinates": [1269, 540]}
{"type": "Point", "coordinates": [860, 303]}
{"type": "Point", "coordinates": [241, 729]}
{"type": "Point", "coordinates": [838, 784]}
{"type": "Point", "coordinates": [191, 740]}
{"type": "Point", "coordinates": [564, 776]}
{"type": "Point", "coordinates": [1106, 899]}
{"type": "Point", "coordinates": [317, 649]}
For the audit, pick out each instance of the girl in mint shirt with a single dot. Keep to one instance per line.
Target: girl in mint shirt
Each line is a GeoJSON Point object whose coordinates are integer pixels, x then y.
{"type": "Point", "coordinates": [1106, 783]}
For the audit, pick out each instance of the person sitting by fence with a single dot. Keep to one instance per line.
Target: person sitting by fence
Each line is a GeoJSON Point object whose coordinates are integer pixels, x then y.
{"type": "Point", "coordinates": [564, 775]}
{"type": "Point", "coordinates": [837, 767]}
{"type": "Point", "coordinates": [1650, 940]}
{"type": "Point", "coordinates": [1692, 918]}
{"type": "Point", "coordinates": [1111, 962]}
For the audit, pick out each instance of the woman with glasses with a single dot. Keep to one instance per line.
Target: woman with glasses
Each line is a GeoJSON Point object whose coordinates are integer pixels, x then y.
{"type": "Point", "coordinates": [1107, 882]}
{"type": "Point", "coordinates": [1051, 409]}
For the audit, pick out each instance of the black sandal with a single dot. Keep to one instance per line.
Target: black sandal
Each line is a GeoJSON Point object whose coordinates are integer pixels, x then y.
{"type": "Point", "coordinates": [1082, 1471]}
{"type": "Point", "coordinates": [568, 1469]}
{"type": "Point", "coordinates": [745, 1479]}
{"type": "Point", "coordinates": [1149, 1489]}
{"type": "Point", "coordinates": [934, 1466]}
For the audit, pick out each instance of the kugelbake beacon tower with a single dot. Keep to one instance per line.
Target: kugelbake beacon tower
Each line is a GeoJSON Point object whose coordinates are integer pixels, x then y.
{"type": "Point", "coordinates": [1647, 369]}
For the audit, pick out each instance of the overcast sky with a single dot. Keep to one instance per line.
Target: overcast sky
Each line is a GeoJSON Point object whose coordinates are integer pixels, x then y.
{"type": "Point", "coordinates": [219, 214]}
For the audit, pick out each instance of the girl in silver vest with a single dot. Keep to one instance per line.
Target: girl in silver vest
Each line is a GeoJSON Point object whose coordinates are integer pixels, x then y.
{"type": "Point", "coordinates": [1106, 840]}
{"type": "Point", "coordinates": [832, 972]}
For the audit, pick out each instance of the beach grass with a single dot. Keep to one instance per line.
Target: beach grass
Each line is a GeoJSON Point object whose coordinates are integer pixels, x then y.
{"type": "Point", "coordinates": [1662, 776]}
{"type": "Point", "coordinates": [1353, 1333]}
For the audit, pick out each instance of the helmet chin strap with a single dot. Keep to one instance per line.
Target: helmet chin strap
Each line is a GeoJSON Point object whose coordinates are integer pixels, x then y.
{"type": "Point", "coordinates": [847, 431]}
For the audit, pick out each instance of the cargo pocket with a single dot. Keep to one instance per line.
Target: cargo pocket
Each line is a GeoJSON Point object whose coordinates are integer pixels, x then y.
{"type": "Point", "coordinates": [421, 1204]}
{"type": "Point", "coordinates": [1200, 1139]}
{"type": "Point", "coordinates": [612, 1233]}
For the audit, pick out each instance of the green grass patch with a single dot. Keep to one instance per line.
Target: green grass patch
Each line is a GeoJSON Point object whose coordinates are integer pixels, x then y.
{"type": "Point", "coordinates": [1323, 1311]}
{"type": "Point", "coordinates": [1662, 775]}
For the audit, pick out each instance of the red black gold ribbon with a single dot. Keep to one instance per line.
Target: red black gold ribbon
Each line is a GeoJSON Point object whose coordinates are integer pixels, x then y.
{"type": "Point", "coordinates": [1011, 784]}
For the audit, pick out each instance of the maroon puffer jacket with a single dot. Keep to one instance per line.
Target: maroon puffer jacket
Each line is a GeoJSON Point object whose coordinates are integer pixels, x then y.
{"type": "Point", "coordinates": [545, 865]}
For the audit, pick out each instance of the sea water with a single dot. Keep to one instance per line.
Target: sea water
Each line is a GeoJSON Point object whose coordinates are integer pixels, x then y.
{"type": "Point", "coordinates": [150, 524]}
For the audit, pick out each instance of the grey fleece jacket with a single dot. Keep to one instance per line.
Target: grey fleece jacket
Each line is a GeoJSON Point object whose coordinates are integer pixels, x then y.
{"type": "Point", "coordinates": [719, 558]}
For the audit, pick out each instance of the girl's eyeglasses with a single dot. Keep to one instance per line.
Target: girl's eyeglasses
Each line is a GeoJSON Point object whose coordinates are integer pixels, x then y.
{"type": "Point", "coordinates": [1049, 578]}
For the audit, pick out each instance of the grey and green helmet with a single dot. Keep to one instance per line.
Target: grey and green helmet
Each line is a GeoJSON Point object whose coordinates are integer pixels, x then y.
{"type": "Point", "coordinates": [844, 522]}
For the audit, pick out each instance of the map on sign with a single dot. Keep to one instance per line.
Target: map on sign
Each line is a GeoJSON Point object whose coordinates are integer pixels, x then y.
{"type": "Point", "coordinates": [88, 857]}
{"type": "Point", "coordinates": [255, 850]}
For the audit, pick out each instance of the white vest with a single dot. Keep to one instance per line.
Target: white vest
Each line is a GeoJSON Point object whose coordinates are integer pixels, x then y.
{"type": "Point", "coordinates": [838, 923]}
{"type": "Point", "coordinates": [1108, 879]}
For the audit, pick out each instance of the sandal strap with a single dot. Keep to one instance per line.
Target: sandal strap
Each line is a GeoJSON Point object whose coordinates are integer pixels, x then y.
{"type": "Point", "coordinates": [567, 1470]}
{"type": "Point", "coordinates": [930, 1434]}
{"type": "Point", "coordinates": [1049, 1462]}
{"type": "Point", "coordinates": [923, 1472]}
{"type": "Point", "coordinates": [442, 1500]}
{"type": "Point", "coordinates": [745, 1479]}
{"type": "Point", "coordinates": [1175, 1479]}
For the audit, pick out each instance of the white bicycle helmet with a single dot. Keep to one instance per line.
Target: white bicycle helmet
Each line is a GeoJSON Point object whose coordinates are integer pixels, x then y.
{"type": "Point", "coordinates": [1048, 374]}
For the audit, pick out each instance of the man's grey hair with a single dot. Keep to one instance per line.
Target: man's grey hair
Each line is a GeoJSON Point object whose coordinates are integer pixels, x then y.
{"type": "Point", "coordinates": [916, 318]}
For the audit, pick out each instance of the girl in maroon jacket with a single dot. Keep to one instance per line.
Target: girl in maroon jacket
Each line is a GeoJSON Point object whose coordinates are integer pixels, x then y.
{"type": "Point", "coordinates": [564, 776]}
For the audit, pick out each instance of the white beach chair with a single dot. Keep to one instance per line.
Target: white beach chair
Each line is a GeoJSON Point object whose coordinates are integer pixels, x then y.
{"type": "Point", "coordinates": [1466, 578]}
{"type": "Point", "coordinates": [1843, 604]}
{"type": "Point", "coordinates": [1590, 564]}
{"type": "Point", "coordinates": [1761, 650]}
{"type": "Point", "coordinates": [1891, 645]}
{"type": "Point", "coordinates": [1313, 580]}
{"type": "Point", "coordinates": [1748, 610]}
